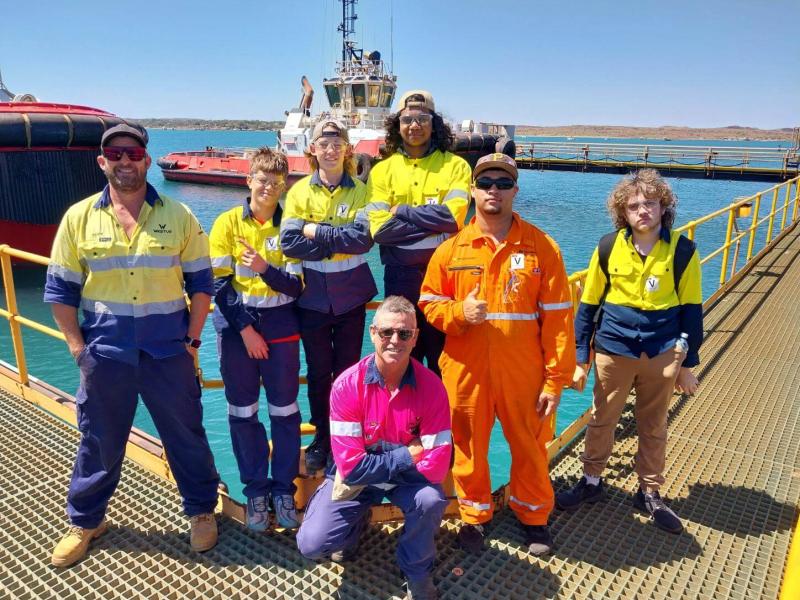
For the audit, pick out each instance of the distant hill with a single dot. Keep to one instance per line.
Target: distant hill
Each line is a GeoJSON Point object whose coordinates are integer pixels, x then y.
{"type": "Point", "coordinates": [732, 132]}
{"type": "Point", "coordinates": [233, 124]}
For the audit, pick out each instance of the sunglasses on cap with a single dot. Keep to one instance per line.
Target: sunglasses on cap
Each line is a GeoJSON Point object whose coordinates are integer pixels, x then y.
{"type": "Point", "coordinates": [486, 183]}
{"type": "Point", "coordinates": [386, 333]}
{"type": "Point", "coordinates": [114, 153]}
{"type": "Point", "coordinates": [420, 119]}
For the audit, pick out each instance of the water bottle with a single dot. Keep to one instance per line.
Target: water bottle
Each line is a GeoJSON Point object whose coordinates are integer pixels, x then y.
{"type": "Point", "coordinates": [682, 343]}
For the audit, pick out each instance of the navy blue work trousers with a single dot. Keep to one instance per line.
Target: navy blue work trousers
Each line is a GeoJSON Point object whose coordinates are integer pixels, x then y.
{"type": "Point", "coordinates": [332, 343]}
{"type": "Point", "coordinates": [332, 525]}
{"type": "Point", "coordinates": [107, 399]}
{"type": "Point", "coordinates": [279, 374]}
{"type": "Point", "coordinates": [406, 281]}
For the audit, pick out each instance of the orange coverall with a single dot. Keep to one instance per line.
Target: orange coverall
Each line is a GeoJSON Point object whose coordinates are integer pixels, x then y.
{"type": "Point", "coordinates": [499, 367]}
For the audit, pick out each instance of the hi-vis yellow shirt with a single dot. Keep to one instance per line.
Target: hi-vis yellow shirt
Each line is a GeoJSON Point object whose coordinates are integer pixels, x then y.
{"type": "Point", "coordinates": [431, 195]}
{"type": "Point", "coordinates": [131, 291]}
{"type": "Point", "coordinates": [278, 286]}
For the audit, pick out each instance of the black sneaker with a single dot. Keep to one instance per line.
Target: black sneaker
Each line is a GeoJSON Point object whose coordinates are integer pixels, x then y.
{"type": "Point", "coordinates": [582, 492]}
{"type": "Point", "coordinates": [663, 516]}
{"type": "Point", "coordinates": [317, 453]}
{"type": "Point", "coordinates": [351, 553]}
{"type": "Point", "coordinates": [421, 589]}
{"type": "Point", "coordinates": [471, 537]}
{"type": "Point", "coordinates": [538, 539]}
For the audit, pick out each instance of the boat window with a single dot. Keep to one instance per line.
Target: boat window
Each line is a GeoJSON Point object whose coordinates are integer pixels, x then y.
{"type": "Point", "coordinates": [333, 95]}
{"type": "Point", "coordinates": [359, 95]}
{"type": "Point", "coordinates": [374, 94]}
{"type": "Point", "coordinates": [387, 97]}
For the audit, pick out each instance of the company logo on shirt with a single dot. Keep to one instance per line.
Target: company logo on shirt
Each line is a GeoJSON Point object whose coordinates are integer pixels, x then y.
{"type": "Point", "coordinates": [272, 243]}
{"type": "Point", "coordinates": [162, 229]}
{"type": "Point", "coordinates": [104, 238]}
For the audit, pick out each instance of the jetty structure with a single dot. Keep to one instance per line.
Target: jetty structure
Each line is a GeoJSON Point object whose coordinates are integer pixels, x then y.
{"type": "Point", "coordinates": [734, 467]}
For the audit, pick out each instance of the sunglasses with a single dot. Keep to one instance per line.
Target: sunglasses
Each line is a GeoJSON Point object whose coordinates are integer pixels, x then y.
{"type": "Point", "coordinates": [486, 183]}
{"type": "Point", "coordinates": [423, 119]}
{"type": "Point", "coordinates": [114, 153]}
{"type": "Point", "coordinates": [386, 333]}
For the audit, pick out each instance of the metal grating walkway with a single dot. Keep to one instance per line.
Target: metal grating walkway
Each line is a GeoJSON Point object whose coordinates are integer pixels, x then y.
{"type": "Point", "coordinates": [733, 475]}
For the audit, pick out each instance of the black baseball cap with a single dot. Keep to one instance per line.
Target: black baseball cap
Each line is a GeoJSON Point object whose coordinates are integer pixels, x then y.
{"type": "Point", "coordinates": [137, 132]}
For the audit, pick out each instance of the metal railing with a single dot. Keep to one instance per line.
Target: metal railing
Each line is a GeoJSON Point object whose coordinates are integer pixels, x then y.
{"type": "Point", "coordinates": [784, 210]}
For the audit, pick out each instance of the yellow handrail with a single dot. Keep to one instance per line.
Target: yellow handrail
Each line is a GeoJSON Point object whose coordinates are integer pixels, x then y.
{"type": "Point", "coordinates": [728, 269]}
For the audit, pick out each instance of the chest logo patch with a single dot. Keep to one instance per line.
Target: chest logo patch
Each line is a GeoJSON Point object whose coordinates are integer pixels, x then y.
{"type": "Point", "coordinates": [342, 210]}
{"type": "Point", "coordinates": [517, 262]}
{"type": "Point", "coordinates": [272, 243]}
{"type": "Point", "coordinates": [432, 200]}
{"type": "Point", "coordinates": [652, 284]}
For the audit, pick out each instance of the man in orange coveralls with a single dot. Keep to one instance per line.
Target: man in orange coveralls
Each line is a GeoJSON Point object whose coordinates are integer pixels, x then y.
{"type": "Point", "coordinates": [499, 291]}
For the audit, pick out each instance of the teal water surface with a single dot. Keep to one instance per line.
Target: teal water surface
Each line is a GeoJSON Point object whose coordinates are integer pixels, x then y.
{"type": "Point", "coordinates": [569, 206]}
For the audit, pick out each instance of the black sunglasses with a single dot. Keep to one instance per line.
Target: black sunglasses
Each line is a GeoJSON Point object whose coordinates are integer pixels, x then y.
{"type": "Point", "coordinates": [486, 183]}
{"type": "Point", "coordinates": [386, 333]}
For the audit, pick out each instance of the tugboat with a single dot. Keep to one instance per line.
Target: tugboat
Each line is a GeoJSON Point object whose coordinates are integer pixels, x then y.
{"type": "Point", "coordinates": [360, 94]}
{"type": "Point", "coordinates": [48, 161]}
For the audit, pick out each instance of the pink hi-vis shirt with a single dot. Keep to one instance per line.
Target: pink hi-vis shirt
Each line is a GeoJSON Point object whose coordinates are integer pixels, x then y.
{"type": "Point", "coordinates": [371, 427]}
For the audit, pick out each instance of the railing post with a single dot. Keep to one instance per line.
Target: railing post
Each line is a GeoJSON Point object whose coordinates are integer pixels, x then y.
{"type": "Point", "coordinates": [796, 198]}
{"type": "Point", "coordinates": [786, 206]}
{"type": "Point", "coordinates": [772, 215]}
{"type": "Point", "coordinates": [726, 252]}
{"type": "Point", "coordinates": [753, 226]}
{"type": "Point", "coordinates": [692, 227]}
{"type": "Point", "coordinates": [11, 306]}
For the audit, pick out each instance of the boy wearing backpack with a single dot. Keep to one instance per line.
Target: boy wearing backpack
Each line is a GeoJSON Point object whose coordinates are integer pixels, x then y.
{"type": "Point", "coordinates": [641, 312]}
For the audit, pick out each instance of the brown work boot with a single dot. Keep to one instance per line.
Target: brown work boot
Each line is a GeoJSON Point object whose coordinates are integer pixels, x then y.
{"type": "Point", "coordinates": [204, 532]}
{"type": "Point", "coordinates": [75, 543]}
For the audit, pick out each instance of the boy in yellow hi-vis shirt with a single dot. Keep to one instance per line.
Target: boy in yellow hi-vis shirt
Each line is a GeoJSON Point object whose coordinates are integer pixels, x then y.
{"type": "Point", "coordinates": [259, 341]}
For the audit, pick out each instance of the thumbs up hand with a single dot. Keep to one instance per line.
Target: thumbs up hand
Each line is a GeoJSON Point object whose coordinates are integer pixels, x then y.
{"type": "Point", "coordinates": [474, 307]}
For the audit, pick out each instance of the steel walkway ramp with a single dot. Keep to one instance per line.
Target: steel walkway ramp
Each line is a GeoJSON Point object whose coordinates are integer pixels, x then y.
{"type": "Point", "coordinates": [733, 475]}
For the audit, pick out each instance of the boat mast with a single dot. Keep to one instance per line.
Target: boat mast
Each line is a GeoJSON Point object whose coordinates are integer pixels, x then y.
{"type": "Point", "coordinates": [348, 28]}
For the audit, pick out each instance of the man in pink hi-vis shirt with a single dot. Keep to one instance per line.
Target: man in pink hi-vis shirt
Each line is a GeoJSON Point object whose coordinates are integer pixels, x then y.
{"type": "Point", "coordinates": [390, 437]}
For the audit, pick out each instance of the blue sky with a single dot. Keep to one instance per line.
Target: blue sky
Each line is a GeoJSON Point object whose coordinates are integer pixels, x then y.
{"type": "Point", "coordinates": [700, 64]}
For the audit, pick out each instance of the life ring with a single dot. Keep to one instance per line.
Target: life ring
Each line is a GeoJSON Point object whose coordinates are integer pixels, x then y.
{"type": "Point", "coordinates": [363, 166]}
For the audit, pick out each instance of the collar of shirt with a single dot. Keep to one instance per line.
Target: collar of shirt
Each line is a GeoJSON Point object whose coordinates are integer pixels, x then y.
{"type": "Point", "coordinates": [372, 375]}
{"type": "Point", "coordinates": [247, 212]}
{"type": "Point", "coordinates": [431, 149]}
{"type": "Point", "coordinates": [664, 234]}
{"type": "Point", "coordinates": [151, 197]}
{"type": "Point", "coordinates": [346, 181]}
{"type": "Point", "coordinates": [473, 232]}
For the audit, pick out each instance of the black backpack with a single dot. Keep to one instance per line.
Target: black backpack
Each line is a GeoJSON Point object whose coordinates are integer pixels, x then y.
{"type": "Point", "coordinates": [683, 254]}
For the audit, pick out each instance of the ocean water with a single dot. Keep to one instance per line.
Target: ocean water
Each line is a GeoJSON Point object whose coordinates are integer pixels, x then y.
{"type": "Point", "coordinates": [569, 206]}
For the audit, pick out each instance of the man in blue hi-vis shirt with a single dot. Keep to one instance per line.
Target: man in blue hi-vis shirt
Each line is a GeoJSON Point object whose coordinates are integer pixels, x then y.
{"type": "Point", "coordinates": [124, 258]}
{"type": "Point", "coordinates": [642, 312]}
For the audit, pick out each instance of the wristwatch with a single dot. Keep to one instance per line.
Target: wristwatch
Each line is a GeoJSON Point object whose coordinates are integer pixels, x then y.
{"type": "Point", "coordinates": [193, 342]}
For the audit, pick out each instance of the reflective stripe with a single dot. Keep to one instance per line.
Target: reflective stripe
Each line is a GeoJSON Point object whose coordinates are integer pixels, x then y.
{"type": "Point", "coordinates": [525, 504]}
{"type": "Point", "coordinates": [429, 243]}
{"type": "Point", "coordinates": [124, 309]}
{"type": "Point", "coordinates": [134, 261]}
{"type": "Point", "coordinates": [243, 412]}
{"type": "Point", "coordinates": [512, 316]}
{"type": "Point", "coordinates": [292, 223]}
{"type": "Point", "coordinates": [555, 305]}
{"type": "Point", "coordinates": [193, 266]}
{"type": "Point", "coordinates": [255, 301]}
{"type": "Point", "coordinates": [442, 438]}
{"type": "Point", "coordinates": [242, 271]}
{"type": "Point", "coordinates": [64, 273]}
{"type": "Point", "coordinates": [222, 262]}
{"type": "Point", "coordinates": [335, 266]}
{"type": "Point", "coordinates": [294, 268]}
{"type": "Point", "coordinates": [456, 194]}
{"type": "Point", "coordinates": [432, 298]}
{"type": "Point", "coordinates": [476, 505]}
{"type": "Point", "coordinates": [384, 486]}
{"type": "Point", "coordinates": [348, 428]}
{"type": "Point", "coordinates": [283, 411]}
{"type": "Point", "coordinates": [372, 206]}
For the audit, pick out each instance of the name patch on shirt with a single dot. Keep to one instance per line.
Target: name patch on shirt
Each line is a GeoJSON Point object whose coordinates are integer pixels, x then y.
{"type": "Point", "coordinates": [517, 262]}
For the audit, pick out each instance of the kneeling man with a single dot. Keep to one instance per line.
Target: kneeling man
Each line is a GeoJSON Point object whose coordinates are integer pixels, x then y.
{"type": "Point", "coordinates": [390, 436]}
